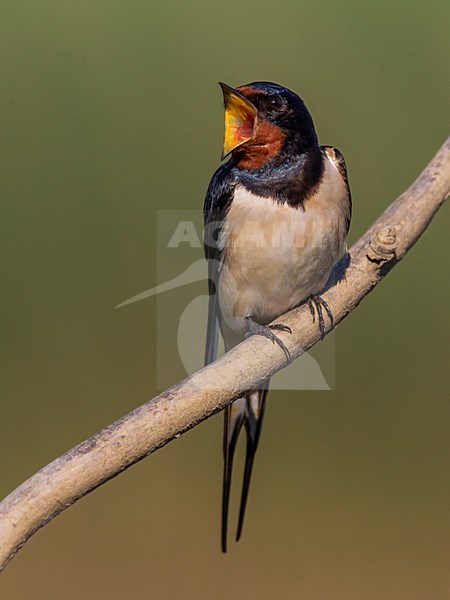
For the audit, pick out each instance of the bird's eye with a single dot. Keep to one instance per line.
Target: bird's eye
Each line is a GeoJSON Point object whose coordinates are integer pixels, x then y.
{"type": "Point", "coordinates": [276, 102]}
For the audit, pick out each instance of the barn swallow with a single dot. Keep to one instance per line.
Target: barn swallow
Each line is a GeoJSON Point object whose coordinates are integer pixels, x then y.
{"type": "Point", "coordinates": [276, 219]}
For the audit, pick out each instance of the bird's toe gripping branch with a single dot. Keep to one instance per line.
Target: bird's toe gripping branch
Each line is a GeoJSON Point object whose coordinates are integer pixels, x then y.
{"type": "Point", "coordinates": [255, 328]}
{"type": "Point", "coordinates": [318, 304]}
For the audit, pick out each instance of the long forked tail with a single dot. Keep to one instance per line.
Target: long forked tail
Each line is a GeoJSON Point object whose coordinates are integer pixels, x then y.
{"type": "Point", "coordinates": [247, 411]}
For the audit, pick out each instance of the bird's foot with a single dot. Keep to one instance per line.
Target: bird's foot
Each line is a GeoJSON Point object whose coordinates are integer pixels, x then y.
{"type": "Point", "coordinates": [255, 328]}
{"type": "Point", "coordinates": [317, 303]}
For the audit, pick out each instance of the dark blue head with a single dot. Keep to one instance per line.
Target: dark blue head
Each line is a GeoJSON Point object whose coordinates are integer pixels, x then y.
{"type": "Point", "coordinates": [284, 108]}
{"type": "Point", "coordinates": [282, 127]}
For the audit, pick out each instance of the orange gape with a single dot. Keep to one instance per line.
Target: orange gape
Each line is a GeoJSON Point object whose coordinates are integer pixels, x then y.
{"type": "Point", "coordinates": [241, 119]}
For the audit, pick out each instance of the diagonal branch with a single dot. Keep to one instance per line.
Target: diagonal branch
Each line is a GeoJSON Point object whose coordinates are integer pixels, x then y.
{"type": "Point", "coordinates": [158, 421]}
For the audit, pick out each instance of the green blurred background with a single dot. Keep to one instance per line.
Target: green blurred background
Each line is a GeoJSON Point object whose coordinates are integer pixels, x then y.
{"type": "Point", "coordinates": [110, 110]}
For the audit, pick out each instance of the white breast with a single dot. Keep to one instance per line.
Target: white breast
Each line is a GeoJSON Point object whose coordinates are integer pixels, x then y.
{"type": "Point", "coordinates": [276, 256]}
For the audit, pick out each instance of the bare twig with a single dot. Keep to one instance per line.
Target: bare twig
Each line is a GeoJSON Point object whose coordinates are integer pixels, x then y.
{"type": "Point", "coordinates": [155, 423]}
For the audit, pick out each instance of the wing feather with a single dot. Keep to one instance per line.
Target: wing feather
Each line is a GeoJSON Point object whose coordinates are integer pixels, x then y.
{"type": "Point", "coordinates": [218, 199]}
{"type": "Point", "coordinates": [339, 160]}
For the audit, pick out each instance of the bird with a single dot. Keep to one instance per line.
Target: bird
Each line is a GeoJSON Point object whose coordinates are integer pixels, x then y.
{"type": "Point", "coordinates": [276, 216]}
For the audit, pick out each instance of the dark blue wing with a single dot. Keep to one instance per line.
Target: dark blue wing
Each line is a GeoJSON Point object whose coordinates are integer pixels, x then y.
{"type": "Point", "coordinates": [339, 161]}
{"type": "Point", "coordinates": [218, 199]}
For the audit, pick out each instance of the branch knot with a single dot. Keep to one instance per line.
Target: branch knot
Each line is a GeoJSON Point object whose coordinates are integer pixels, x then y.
{"type": "Point", "coordinates": [382, 245]}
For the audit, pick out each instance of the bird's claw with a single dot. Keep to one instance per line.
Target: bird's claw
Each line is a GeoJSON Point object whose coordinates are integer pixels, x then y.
{"type": "Point", "coordinates": [255, 328]}
{"type": "Point", "coordinates": [280, 327]}
{"type": "Point", "coordinates": [317, 303]}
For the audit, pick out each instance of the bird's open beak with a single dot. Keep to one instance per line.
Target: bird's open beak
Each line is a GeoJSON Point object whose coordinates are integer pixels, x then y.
{"type": "Point", "coordinates": [241, 118]}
